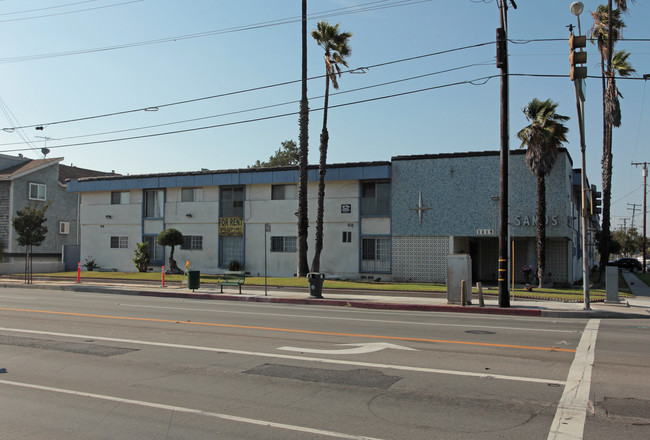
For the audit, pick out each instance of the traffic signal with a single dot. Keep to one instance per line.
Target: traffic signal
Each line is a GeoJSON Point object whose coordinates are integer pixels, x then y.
{"type": "Point", "coordinates": [577, 57]}
{"type": "Point", "coordinates": [597, 202]}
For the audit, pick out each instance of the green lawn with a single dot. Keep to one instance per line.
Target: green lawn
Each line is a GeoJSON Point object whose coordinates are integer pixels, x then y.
{"type": "Point", "coordinates": [567, 294]}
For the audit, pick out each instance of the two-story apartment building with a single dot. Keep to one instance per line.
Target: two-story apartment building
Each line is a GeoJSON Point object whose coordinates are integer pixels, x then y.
{"type": "Point", "coordinates": [390, 220]}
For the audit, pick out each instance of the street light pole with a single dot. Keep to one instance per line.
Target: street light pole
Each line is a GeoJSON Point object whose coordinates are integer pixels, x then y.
{"type": "Point", "coordinates": [578, 80]}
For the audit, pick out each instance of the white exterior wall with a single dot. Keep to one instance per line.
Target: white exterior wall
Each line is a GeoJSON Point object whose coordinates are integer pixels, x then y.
{"type": "Point", "coordinates": [96, 229]}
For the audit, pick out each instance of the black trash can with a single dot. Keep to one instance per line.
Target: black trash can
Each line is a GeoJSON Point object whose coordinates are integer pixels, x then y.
{"type": "Point", "coordinates": [315, 280]}
{"type": "Point", "coordinates": [193, 279]}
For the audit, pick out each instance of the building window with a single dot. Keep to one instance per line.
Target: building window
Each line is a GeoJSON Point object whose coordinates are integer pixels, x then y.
{"type": "Point", "coordinates": [154, 202]}
{"type": "Point", "coordinates": [347, 236]}
{"type": "Point", "coordinates": [283, 244]}
{"type": "Point", "coordinates": [375, 198]}
{"type": "Point", "coordinates": [192, 242]}
{"type": "Point", "coordinates": [375, 254]}
{"type": "Point", "coordinates": [64, 228]}
{"type": "Point", "coordinates": [120, 197]}
{"type": "Point", "coordinates": [191, 194]}
{"type": "Point", "coordinates": [231, 249]}
{"type": "Point", "coordinates": [156, 251]}
{"type": "Point", "coordinates": [284, 192]}
{"type": "Point", "coordinates": [231, 202]}
{"type": "Point", "coordinates": [37, 191]}
{"type": "Point", "coordinates": [119, 242]}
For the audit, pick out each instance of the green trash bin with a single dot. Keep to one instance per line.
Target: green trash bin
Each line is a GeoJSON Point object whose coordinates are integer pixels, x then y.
{"type": "Point", "coordinates": [315, 280]}
{"type": "Point", "coordinates": [193, 279]}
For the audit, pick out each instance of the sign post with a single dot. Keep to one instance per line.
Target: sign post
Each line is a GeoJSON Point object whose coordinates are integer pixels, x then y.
{"type": "Point", "coordinates": [267, 229]}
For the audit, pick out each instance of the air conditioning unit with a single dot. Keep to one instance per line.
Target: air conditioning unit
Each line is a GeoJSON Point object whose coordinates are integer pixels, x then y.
{"type": "Point", "coordinates": [64, 227]}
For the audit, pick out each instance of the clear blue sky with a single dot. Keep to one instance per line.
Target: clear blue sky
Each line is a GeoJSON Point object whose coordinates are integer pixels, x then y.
{"type": "Point", "coordinates": [69, 59]}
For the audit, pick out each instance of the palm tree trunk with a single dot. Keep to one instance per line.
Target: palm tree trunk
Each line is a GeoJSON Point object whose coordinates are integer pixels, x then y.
{"type": "Point", "coordinates": [541, 228]}
{"type": "Point", "coordinates": [322, 169]}
{"type": "Point", "coordinates": [303, 219]}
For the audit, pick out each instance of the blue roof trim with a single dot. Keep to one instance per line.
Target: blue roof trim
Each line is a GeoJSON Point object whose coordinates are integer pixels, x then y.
{"type": "Point", "coordinates": [361, 171]}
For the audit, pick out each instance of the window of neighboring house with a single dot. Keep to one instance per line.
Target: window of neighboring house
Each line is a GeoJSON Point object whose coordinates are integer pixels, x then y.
{"type": "Point", "coordinates": [120, 197]}
{"type": "Point", "coordinates": [191, 194]}
{"type": "Point", "coordinates": [375, 254]}
{"type": "Point", "coordinates": [375, 198]}
{"type": "Point", "coordinates": [283, 244]}
{"type": "Point", "coordinates": [64, 228]}
{"type": "Point", "coordinates": [37, 191]}
{"type": "Point", "coordinates": [347, 236]}
{"type": "Point", "coordinates": [156, 251]}
{"type": "Point", "coordinates": [154, 202]}
{"type": "Point", "coordinates": [231, 202]}
{"type": "Point", "coordinates": [192, 242]}
{"type": "Point", "coordinates": [119, 242]}
{"type": "Point", "coordinates": [284, 192]}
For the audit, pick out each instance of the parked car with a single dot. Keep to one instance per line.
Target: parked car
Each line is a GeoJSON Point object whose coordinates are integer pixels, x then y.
{"type": "Point", "coordinates": [631, 264]}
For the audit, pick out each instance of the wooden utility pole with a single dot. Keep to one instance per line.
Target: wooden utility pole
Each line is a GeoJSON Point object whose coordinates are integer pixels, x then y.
{"type": "Point", "coordinates": [645, 208]}
{"type": "Point", "coordinates": [502, 63]}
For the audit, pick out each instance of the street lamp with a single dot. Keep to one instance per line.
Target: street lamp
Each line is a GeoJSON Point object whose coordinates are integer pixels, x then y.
{"type": "Point", "coordinates": [578, 75]}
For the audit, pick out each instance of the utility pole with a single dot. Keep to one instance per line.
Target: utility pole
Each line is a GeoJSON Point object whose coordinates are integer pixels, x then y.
{"type": "Point", "coordinates": [645, 208]}
{"type": "Point", "coordinates": [502, 63]}
{"type": "Point", "coordinates": [633, 209]}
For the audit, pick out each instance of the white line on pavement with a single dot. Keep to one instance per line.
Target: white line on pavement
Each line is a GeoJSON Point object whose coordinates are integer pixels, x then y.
{"type": "Point", "coordinates": [569, 422]}
{"type": "Point", "coordinates": [298, 358]}
{"type": "Point", "coordinates": [190, 411]}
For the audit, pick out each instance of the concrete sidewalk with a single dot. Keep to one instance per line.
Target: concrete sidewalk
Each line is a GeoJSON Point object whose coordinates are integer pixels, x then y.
{"type": "Point", "coordinates": [638, 307]}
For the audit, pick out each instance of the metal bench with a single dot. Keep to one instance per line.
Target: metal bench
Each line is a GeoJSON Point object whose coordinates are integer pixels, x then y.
{"type": "Point", "coordinates": [232, 278]}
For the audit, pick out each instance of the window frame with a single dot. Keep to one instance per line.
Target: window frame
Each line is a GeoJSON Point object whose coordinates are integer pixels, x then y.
{"type": "Point", "coordinates": [286, 244]}
{"type": "Point", "coordinates": [279, 192]}
{"type": "Point", "coordinates": [192, 242]}
{"type": "Point", "coordinates": [38, 187]}
{"type": "Point", "coordinates": [119, 242]}
{"type": "Point", "coordinates": [196, 194]}
{"type": "Point", "coordinates": [379, 203]}
{"type": "Point", "coordinates": [123, 196]}
{"type": "Point", "coordinates": [158, 198]}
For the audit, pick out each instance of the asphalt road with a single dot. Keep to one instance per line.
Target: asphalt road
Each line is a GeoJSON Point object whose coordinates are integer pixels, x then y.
{"type": "Point", "coordinates": [96, 366]}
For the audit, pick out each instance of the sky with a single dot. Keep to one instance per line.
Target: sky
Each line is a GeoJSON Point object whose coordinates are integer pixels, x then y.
{"type": "Point", "coordinates": [153, 86]}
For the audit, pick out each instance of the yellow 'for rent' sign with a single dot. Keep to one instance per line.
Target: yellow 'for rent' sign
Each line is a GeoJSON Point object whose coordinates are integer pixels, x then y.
{"type": "Point", "coordinates": [231, 227]}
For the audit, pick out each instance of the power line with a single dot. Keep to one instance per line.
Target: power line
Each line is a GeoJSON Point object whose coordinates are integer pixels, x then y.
{"type": "Point", "coordinates": [365, 7]}
{"type": "Point", "coordinates": [72, 12]}
{"type": "Point", "coordinates": [476, 81]}
{"type": "Point", "coordinates": [252, 89]}
{"type": "Point", "coordinates": [49, 7]}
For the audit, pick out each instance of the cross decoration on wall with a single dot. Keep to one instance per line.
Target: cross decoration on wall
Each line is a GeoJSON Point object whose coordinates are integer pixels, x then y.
{"type": "Point", "coordinates": [420, 208]}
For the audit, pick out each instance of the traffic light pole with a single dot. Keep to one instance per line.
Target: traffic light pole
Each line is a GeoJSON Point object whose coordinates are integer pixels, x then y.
{"type": "Point", "coordinates": [578, 74]}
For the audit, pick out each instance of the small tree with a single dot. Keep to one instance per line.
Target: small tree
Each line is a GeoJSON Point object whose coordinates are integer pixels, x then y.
{"type": "Point", "coordinates": [29, 225]}
{"type": "Point", "coordinates": [142, 257]}
{"type": "Point", "coordinates": [171, 237]}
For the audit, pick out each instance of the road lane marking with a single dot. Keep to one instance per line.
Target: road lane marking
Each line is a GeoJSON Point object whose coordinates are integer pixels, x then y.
{"type": "Point", "coordinates": [569, 422]}
{"type": "Point", "coordinates": [298, 358]}
{"type": "Point", "coordinates": [340, 318]}
{"type": "Point", "coordinates": [181, 409]}
{"type": "Point", "coordinates": [286, 330]}
{"type": "Point", "coordinates": [359, 348]}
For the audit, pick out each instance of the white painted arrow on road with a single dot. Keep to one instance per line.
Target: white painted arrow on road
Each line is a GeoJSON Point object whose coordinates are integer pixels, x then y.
{"type": "Point", "coordinates": [359, 348]}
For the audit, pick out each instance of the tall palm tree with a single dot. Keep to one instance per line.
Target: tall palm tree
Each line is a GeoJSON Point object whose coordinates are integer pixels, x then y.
{"type": "Point", "coordinates": [336, 48]}
{"type": "Point", "coordinates": [542, 137]}
{"type": "Point", "coordinates": [607, 30]}
{"type": "Point", "coordinates": [303, 220]}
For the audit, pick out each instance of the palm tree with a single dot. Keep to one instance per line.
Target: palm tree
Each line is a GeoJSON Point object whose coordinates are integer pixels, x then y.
{"type": "Point", "coordinates": [303, 220]}
{"type": "Point", "coordinates": [336, 48]}
{"type": "Point", "coordinates": [607, 30]}
{"type": "Point", "coordinates": [542, 137]}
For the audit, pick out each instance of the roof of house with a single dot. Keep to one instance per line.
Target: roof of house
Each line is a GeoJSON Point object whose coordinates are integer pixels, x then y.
{"type": "Point", "coordinates": [66, 172]}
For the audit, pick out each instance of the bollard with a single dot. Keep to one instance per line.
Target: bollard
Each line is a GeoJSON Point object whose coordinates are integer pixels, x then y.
{"type": "Point", "coordinates": [462, 293]}
{"type": "Point", "coordinates": [163, 276]}
{"type": "Point", "coordinates": [79, 272]}
{"type": "Point", "coordinates": [479, 287]}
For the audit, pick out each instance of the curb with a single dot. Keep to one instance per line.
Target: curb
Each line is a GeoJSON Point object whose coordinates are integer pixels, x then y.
{"type": "Point", "coordinates": [530, 312]}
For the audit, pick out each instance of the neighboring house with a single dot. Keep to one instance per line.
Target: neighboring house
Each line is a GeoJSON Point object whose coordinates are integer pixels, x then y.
{"type": "Point", "coordinates": [37, 182]}
{"type": "Point", "coordinates": [391, 220]}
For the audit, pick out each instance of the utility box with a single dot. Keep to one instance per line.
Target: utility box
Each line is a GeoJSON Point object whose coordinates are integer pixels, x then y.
{"type": "Point", "coordinates": [459, 268]}
{"type": "Point", "coordinates": [611, 283]}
